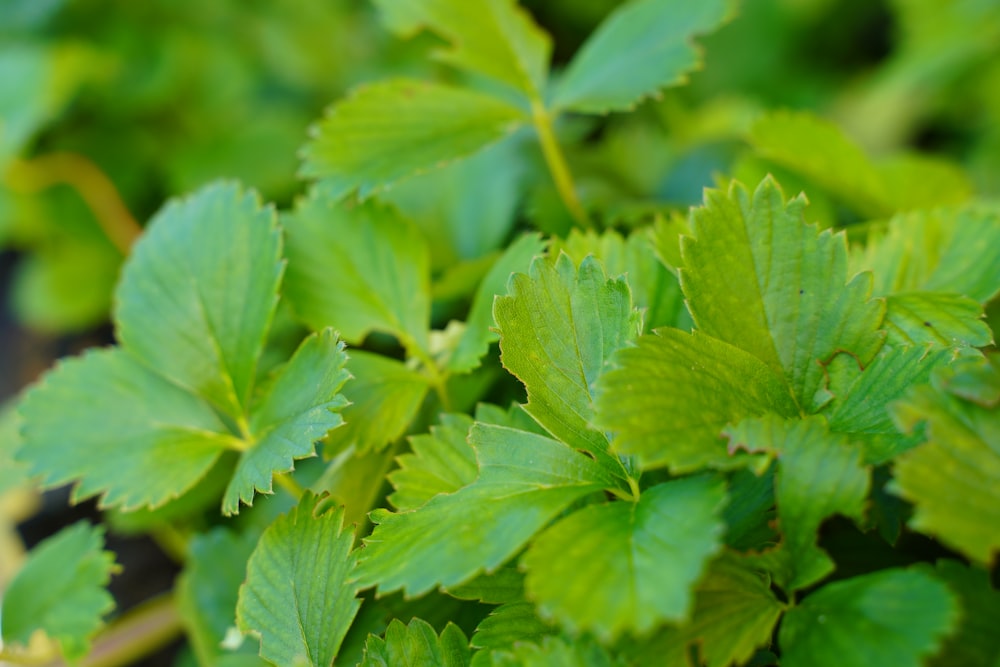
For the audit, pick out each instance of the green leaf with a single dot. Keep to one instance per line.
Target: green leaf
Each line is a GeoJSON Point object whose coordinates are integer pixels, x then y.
{"type": "Point", "coordinates": [61, 590]}
{"type": "Point", "coordinates": [946, 250]}
{"type": "Point", "coordinates": [624, 566]}
{"type": "Point", "coordinates": [891, 617]}
{"type": "Point", "coordinates": [583, 652]}
{"type": "Point", "coordinates": [757, 277]}
{"type": "Point", "coordinates": [525, 481]}
{"type": "Point", "coordinates": [298, 409]}
{"type": "Point", "coordinates": [198, 293]}
{"type": "Point", "coordinates": [916, 181]}
{"type": "Point", "coordinates": [385, 131]}
{"type": "Point", "coordinates": [13, 473]}
{"type": "Point", "coordinates": [722, 385]}
{"type": "Point", "coordinates": [161, 438]}
{"type": "Point", "coordinates": [296, 596]}
{"type": "Point", "coordinates": [384, 396]}
{"type": "Point", "coordinates": [380, 280]}
{"type": "Point", "coordinates": [819, 474]}
{"type": "Point", "coordinates": [509, 624]}
{"type": "Point", "coordinates": [493, 37]}
{"type": "Point", "coordinates": [558, 328]}
{"type": "Point", "coordinates": [954, 478]}
{"type": "Point", "coordinates": [500, 587]}
{"type": "Point", "coordinates": [734, 614]}
{"type": "Point", "coordinates": [976, 641]}
{"type": "Point", "coordinates": [641, 48]}
{"type": "Point", "coordinates": [441, 462]}
{"type": "Point", "coordinates": [478, 333]}
{"type": "Point", "coordinates": [655, 289]}
{"type": "Point", "coordinates": [938, 318]}
{"type": "Point", "coordinates": [417, 645]}
{"type": "Point", "coordinates": [208, 588]}
{"type": "Point", "coordinates": [861, 408]}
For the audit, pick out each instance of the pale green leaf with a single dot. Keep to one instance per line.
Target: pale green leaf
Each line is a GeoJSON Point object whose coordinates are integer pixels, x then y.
{"type": "Point", "coordinates": [417, 645]}
{"type": "Point", "coordinates": [384, 396]}
{"type": "Point", "coordinates": [13, 473]}
{"type": "Point", "coordinates": [819, 474]}
{"type": "Point", "coordinates": [976, 642]}
{"type": "Point", "coordinates": [939, 318]}
{"type": "Point", "coordinates": [492, 37]}
{"type": "Point", "coordinates": [558, 328]}
{"type": "Point", "coordinates": [627, 566]}
{"type": "Point", "coordinates": [954, 478]}
{"type": "Point", "coordinates": [756, 276]}
{"type": "Point", "coordinates": [441, 462]}
{"type": "Point", "coordinates": [820, 151]}
{"type": "Point", "coordinates": [61, 590]}
{"type": "Point", "coordinates": [296, 596]}
{"type": "Point", "coordinates": [525, 481]}
{"type": "Point", "coordinates": [584, 652]}
{"type": "Point", "coordinates": [734, 614]}
{"type": "Point", "coordinates": [655, 290]}
{"type": "Point", "coordinates": [508, 624]}
{"type": "Point", "coordinates": [207, 592]}
{"type": "Point", "coordinates": [892, 617]}
{"type": "Point", "coordinates": [719, 385]}
{"type": "Point", "coordinates": [946, 250]}
{"type": "Point", "coordinates": [641, 48]}
{"type": "Point", "coordinates": [385, 131]}
{"type": "Point", "coordinates": [861, 407]}
{"type": "Point", "coordinates": [357, 268]}
{"type": "Point", "coordinates": [478, 333]}
{"type": "Point", "coordinates": [199, 290]}
{"type": "Point", "coordinates": [300, 407]}
{"type": "Point", "coordinates": [161, 439]}
{"type": "Point", "coordinates": [915, 181]}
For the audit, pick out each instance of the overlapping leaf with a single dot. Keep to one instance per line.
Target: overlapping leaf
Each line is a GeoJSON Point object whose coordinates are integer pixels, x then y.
{"type": "Point", "coordinates": [627, 565]}
{"type": "Point", "coordinates": [509, 624]}
{"type": "Point", "coordinates": [386, 131]}
{"type": "Point", "coordinates": [896, 617]}
{"type": "Point", "coordinates": [641, 48]}
{"type": "Point", "coordinates": [954, 478]}
{"type": "Point", "coordinates": [297, 597]}
{"type": "Point", "coordinates": [551, 651]}
{"type": "Point", "coordinates": [976, 641]}
{"type": "Point", "coordinates": [61, 590]}
{"type": "Point", "coordinates": [938, 318]}
{"type": "Point", "coordinates": [441, 462]}
{"type": "Point", "coordinates": [417, 644]}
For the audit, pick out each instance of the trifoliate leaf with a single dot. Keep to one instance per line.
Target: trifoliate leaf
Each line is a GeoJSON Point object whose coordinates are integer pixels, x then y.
{"type": "Point", "coordinates": [357, 268]}
{"type": "Point", "coordinates": [208, 588]}
{"type": "Point", "coordinates": [558, 328]}
{"type": "Point", "coordinates": [61, 590]}
{"type": "Point", "coordinates": [946, 250]}
{"type": "Point", "coordinates": [384, 396]}
{"type": "Point", "coordinates": [757, 277]}
{"type": "Point", "coordinates": [641, 48]}
{"type": "Point", "coordinates": [820, 151]}
{"type": "Point", "coordinates": [417, 645]}
{"type": "Point", "coordinates": [296, 596]}
{"type": "Point", "coordinates": [493, 37]}
{"type": "Point", "coordinates": [627, 566]}
{"type": "Point", "coordinates": [478, 333]}
{"type": "Point", "coordinates": [721, 385]}
{"type": "Point", "coordinates": [734, 614]}
{"type": "Point", "coordinates": [819, 474]}
{"type": "Point", "coordinates": [441, 462]}
{"type": "Point", "coordinates": [861, 408]}
{"type": "Point", "coordinates": [198, 293]}
{"type": "Point", "coordinates": [891, 617]}
{"type": "Point", "coordinates": [383, 132]}
{"type": "Point", "coordinates": [954, 478]}
{"type": "Point", "coordinates": [976, 641]}
{"type": "Point", "coordinates": [939, 318]}
{"type": "Point", "coordinates": [655, 289]}
{"type": "Point", "coordinates": [508, 624]}
{"type": "Point", "coordinates": [582, 652]}
{"type": "Point", "coordinates": [298, 409]}
{"type": "Point", "coordinates": [525, 481]}
{"type": "Point", "coordinates": [161, 439]}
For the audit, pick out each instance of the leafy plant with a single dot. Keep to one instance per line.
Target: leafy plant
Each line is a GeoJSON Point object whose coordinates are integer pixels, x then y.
{"type": "Point", "coordinates": [387, 425]}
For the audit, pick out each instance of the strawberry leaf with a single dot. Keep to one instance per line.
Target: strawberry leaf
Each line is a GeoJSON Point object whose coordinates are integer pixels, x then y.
{"type": "Point", "coordinates": [417, 644]}
{"type": "Point", "coordinates": [441, 462]}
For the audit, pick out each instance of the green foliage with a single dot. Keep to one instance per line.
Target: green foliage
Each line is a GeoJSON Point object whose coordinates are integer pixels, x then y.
{"type": "Point", "coordinates": [529, 392]}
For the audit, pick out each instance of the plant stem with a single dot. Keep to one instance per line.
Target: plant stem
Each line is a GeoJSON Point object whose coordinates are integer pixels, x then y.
{"type": "Point", "coordinates": [96, 189]}
{"type": "Point", "coordinates": [557, 164]}
{"type": "Point", "coordinates": [290, 484]}
{"type": "Point", "coordinates": [436, 378]}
